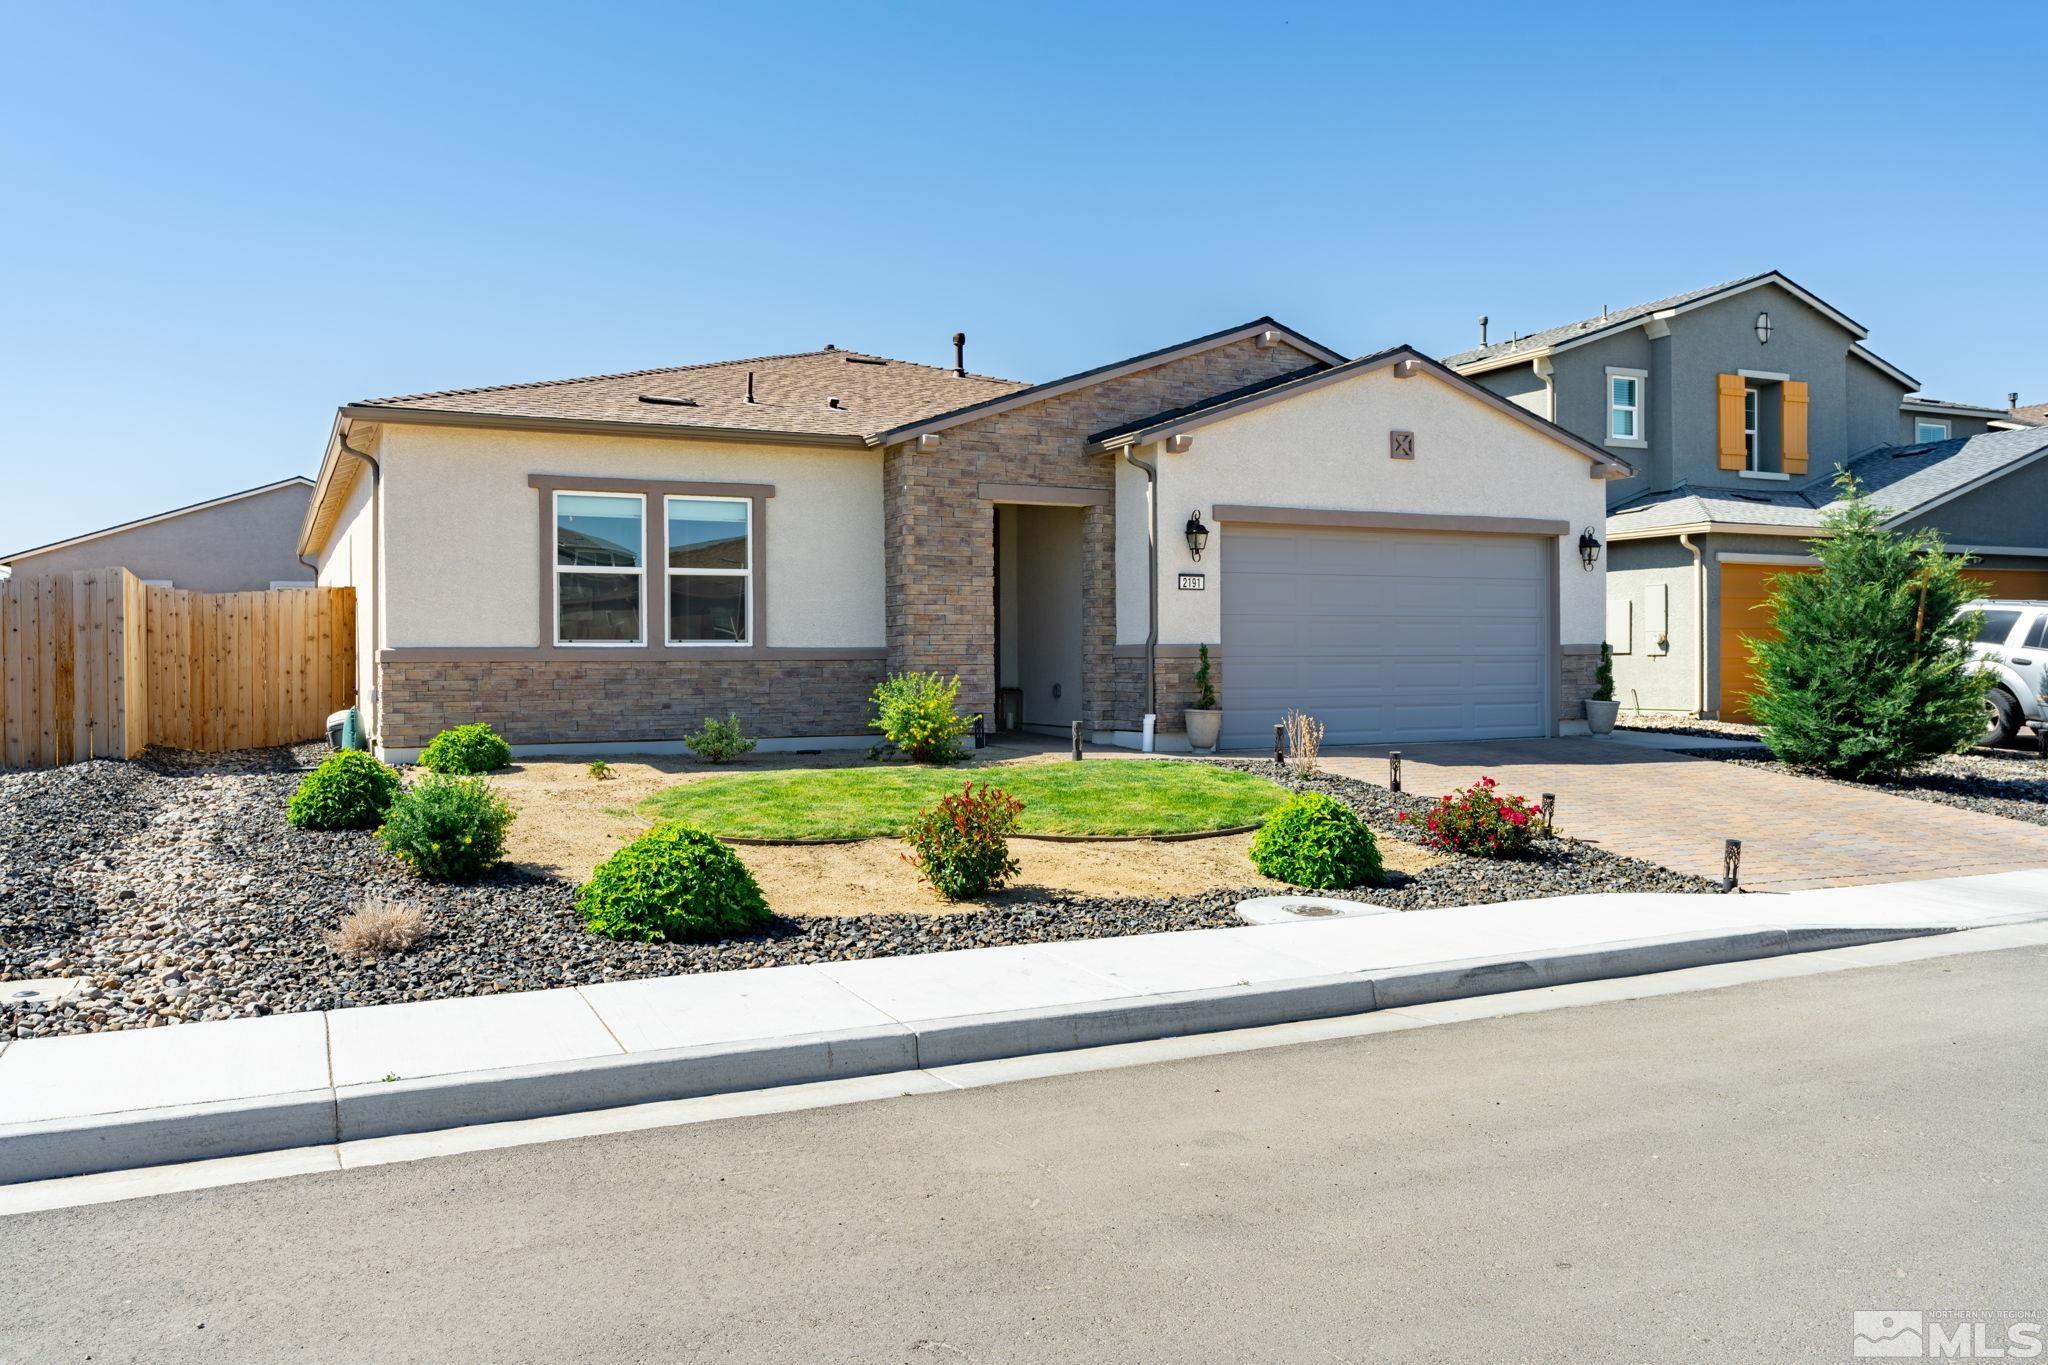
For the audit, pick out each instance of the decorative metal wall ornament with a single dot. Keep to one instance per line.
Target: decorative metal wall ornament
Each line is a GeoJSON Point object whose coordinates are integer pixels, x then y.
{"type": "Point", "coordinates": [1763, 328]}
{"type": "Point", "coordinates": [1401, 445]}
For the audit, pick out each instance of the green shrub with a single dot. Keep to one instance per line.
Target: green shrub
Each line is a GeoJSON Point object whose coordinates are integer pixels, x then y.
{"type": "Point", "coordinates": [719, 740]}
{"type": "Point", "coordinates": [1872, 671]}
{"type": "Point", "coordinates": [1479, 821]}
{"type": "Point", "coordinates": [914, 712]}
{"type": "Point", "coordinates": [1205, 683]}
{"type": "Point", "coordinates": [599, 769]}
{"type": "Point", "coordinates": [962, 844]}
{"type": "Point", "coordinates": [447, 828]}
{"type": "Point", "coordinates": [465, 750]}
{"type": "Point", "coordinates": [1317, 841]}
{"type": "Point", "coordinates": [1603, 676]}
{"type": "Point", "coordinates": [673, 882]}
{"type": "Point", "coordinates": [349, 790]}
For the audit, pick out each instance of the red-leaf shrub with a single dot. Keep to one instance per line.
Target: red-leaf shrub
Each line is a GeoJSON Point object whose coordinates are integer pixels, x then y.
{"type": "Point", "coordinates": [962, 844]}
{"type": "Point", "coordinates": [1480, 821]}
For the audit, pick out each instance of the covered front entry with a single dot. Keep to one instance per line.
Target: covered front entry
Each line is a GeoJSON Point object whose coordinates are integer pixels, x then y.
{"type": "Point", "coordinates": [1746, 617]}
{"type": "Point", "coordinates": [1386, 636]}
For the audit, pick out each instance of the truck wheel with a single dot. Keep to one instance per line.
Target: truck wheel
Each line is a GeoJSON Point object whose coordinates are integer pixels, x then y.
{"type": "Point", "coordinates": [2001, 718]}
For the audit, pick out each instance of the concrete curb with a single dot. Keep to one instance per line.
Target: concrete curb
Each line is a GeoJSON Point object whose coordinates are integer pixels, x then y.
{"type": "Point", "coordinates": [78, 1146]}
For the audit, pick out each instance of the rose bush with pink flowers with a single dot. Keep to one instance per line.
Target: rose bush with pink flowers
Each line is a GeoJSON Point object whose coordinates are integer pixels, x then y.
{"type": "Point", "coordinates": [1480, 820]}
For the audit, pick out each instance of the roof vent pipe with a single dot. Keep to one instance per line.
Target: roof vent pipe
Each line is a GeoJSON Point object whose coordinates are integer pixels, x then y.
{"type": "Point", "coordinates": [2012, 402]}
{"type": "Point", "coordinates": [1482, 329]}
{"type": "Point", "coordinates": [750, 386]}
{"type": "Point", "coordinates": [960, 354]}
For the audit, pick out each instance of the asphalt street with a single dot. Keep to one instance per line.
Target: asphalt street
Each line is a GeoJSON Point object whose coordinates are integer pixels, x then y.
{"type": "Point", "coordinates": [1722, 1175]}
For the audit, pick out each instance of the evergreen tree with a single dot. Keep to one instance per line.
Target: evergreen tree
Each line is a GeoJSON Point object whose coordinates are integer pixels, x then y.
{"type": "Point", "coordinates": [1871, 672]}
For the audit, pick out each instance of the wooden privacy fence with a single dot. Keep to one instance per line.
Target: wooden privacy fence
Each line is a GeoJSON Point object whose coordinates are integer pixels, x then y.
{"type": "Point", "coordinates": [98, 664]}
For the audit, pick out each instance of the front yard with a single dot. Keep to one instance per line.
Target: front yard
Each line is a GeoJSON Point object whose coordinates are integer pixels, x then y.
{"type": "Point", "coordinates": [173, 889]}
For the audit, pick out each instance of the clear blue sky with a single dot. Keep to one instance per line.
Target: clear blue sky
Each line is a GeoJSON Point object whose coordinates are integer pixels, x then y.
{"type": "Point", "coordinates": [220, 222]}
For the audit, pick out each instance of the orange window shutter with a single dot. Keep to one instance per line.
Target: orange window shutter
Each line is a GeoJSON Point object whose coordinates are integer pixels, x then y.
{"type": "Point", "coordinates": [1734, 452]}
{"type": "Point", "coordinates": [1795, 426]}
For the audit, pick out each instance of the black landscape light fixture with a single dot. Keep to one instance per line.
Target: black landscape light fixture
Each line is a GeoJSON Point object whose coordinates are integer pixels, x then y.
{"type": "Point", "coordinates": [1763, 328]}
{"type": "Point", "coordinates": [1589, 549]}
{"type": "Point", "coordinates": [1198, 536]}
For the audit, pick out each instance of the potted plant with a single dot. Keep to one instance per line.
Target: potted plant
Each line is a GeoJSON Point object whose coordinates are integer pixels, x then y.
{"type": "Point", "coordinates": [1601, 707]}
{"type": "Point", "coordinates": [1204, 721]}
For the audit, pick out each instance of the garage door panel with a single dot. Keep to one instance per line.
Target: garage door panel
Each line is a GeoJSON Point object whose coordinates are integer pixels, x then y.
{"type": "Point", "coordinates": [1384, 637]}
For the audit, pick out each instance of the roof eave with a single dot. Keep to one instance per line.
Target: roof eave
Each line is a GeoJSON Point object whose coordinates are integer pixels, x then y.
{"type": "Point", "coordinates": [591, 426]}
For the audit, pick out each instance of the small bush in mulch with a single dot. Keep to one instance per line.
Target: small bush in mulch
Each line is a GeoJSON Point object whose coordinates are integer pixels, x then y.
{"type": "Point", "coordinates": [465, 751]}
{"type": "Point", "coordinates": [914, 712]}
{"type": "Point", "coordinates": [1480, 821]}
{"type": "Point", "coordinates": [447, 828]}
{"type": "Point", "coordinates": [962, 845]}
{"type": "Point", "coordinates": [349, 790]}
{"type": "Point", "coordinates": [719, 741]}
{"type": "Point", "coordinates": [675, 883]}
{"type": "Point", "coordinates": [378, 927]}
{"type": "Point", "coordinates": [1317, 841]}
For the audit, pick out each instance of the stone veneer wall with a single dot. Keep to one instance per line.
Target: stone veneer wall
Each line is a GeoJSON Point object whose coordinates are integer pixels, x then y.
{"type": "Point", "coordinates": [1577, 685]}
{"type": "Point", "coordinates": [577, 701]}
{"type": "Point", "coordinates": [1175, 678]}
{"type": "Point", "coordinates": [940, 535]}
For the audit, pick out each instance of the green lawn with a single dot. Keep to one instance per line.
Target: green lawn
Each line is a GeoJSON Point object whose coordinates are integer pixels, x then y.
{"type": "Point", "coordinates": [1097, 796]}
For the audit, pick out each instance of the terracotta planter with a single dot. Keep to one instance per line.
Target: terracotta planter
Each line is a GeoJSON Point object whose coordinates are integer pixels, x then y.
{"type": "Point", "coordinates": [1203, 729]}
{"type": "Point", "coordinates": [1600, 716]}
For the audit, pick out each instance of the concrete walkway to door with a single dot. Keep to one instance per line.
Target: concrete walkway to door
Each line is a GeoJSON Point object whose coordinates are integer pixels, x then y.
{"type": "Point", "coordinates": [1796, 832]}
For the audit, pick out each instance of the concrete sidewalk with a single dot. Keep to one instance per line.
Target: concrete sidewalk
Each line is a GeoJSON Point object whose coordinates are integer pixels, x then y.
{"type": "Point", "coordinates": [116, 1100]}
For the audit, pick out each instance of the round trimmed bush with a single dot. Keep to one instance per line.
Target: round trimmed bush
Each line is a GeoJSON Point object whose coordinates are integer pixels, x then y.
{"type": "Point", "coordinates": [1316, 841]}
{"type": "Point", "coordinates": [674, 882]}
{"type": "Point", "coordinates": [349, 790]}
{"type": "Point", "coordinates": [447, 828]}
{"type": "Point", "coordinates": [466, 750]}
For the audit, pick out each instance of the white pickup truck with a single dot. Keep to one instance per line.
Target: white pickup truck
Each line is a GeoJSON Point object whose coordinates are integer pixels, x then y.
{"type": "Point", "coordinates": [2012, 646]}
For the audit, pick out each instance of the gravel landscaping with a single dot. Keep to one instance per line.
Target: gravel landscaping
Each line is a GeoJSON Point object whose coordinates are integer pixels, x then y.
{"type": "Point", "coordinates": [1990, 781]}
{"type": "Point", "coordinates": [175, 888]}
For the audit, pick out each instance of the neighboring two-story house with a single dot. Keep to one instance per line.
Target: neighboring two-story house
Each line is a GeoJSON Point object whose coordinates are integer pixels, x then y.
{"type": "Point", "coordinates": [1736, 405]}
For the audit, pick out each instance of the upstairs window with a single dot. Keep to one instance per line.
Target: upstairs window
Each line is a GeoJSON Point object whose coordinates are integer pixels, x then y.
{"type": "Point", "coordinates": [1928, 429]}
{"type": "Point", "coordinates": [1752, 431]}
{"type": "Point", "coordinates": [710, 567]}
{"type": "Point", "coordinates": [1625, 407]}
{"type": "Point", "coordinates": [599, 543]}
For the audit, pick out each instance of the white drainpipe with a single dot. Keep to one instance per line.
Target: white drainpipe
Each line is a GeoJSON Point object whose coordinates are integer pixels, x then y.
{"type": "Point", "coordinates": [1151, 591]}
{"type": "Point", "coordinates": [1699, 625]}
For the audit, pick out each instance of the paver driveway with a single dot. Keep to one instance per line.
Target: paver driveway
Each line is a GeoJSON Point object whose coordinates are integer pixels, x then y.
{"type": "Point", "coordinates": [1795, 831]}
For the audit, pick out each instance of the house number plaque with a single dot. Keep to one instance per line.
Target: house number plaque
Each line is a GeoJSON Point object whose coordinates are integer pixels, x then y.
{"type": "Point", "coordinates": [1191, 582]}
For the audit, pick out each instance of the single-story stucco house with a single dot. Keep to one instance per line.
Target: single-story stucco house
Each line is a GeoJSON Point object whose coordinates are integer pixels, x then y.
{"type": "Point", "coordinates": [240, 542]}
{"type": "Point", "coordinates": [601, 563]}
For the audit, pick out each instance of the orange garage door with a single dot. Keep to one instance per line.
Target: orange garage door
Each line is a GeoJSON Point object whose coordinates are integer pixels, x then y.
{"type": "Point", "coordinates": [1744, 617]}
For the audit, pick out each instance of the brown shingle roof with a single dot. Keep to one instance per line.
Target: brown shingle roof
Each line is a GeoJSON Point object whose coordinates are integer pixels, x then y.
{"type": "Point", "coordinates": [2034, 414]}
{"type": "Point", "coordinates": [792, 393]}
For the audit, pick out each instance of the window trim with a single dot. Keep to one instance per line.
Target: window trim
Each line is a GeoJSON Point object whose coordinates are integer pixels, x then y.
{"type": "Point", "coordinates": [745, 574]}
{"type": "Point", "coordinates": [1941, 422]}
{"type": "Point", "coordinates": [554, 553]}
{"type": "Point", "coordinates": [1639, 410]}
{"type": "Point", "coordinates": [652, 491]}
{"type": "Point", "coordinates": [1753, 430]}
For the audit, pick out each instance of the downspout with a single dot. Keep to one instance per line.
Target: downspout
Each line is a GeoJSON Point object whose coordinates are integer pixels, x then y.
{"type": "Point", "coordinates": [376, 555]}
{"type": "Point", "coordinates": [1151, 578]}
{"type": "Point", "coordinates": [1699, 625]}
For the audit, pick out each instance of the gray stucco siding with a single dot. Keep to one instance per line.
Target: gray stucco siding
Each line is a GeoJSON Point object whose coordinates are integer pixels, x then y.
{"type": "Point", "coordinates": [239, 546]}
{"type": "Point", "coordinates": [1520, 385]}
{"type": "Point", "coordinates": [1580, 380]}
{"type": "Point", "coordinates": [1873, 404]}
{"type": "Point", "coordinates": [2012, 510]}
{"type": "Point", "coordinates": [1958, 427]}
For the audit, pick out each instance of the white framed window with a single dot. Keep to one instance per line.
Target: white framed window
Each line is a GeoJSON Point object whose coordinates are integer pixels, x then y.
{"type": "Point", "coordinates": [710, 570]}
{"type": "Point", "coordinates": [1752, 406]}
{"type": "Point", "coordinates": [1625, 407]}
{"type": "Point", "coordinates": [1927, 429]}
{"type": "Point", "coordinates": [600, 543]}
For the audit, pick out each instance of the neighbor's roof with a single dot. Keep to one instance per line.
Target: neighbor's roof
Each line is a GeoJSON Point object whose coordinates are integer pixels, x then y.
{"type": "Point", "coordinates": [1904, 480]}
{"type": "Point", "coordinates": [1572, 333]}
{"type": "Point", "coordinates": [1918, 403]}
{"type": "Point", "coordinates": [827, 393]}
{"type": "Point", "coordinates": [2033, 414]}
{"type": "Point", "coordinates": [299, 480]}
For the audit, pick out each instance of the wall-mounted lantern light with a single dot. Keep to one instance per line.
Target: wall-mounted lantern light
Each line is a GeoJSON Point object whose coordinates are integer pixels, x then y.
{"type": "Point", "coordinates": [1589, 549]}
{"type": "Point", "coordinates": [1198, 536]}
{"type": "Point", "coordinates": [1763, 328]}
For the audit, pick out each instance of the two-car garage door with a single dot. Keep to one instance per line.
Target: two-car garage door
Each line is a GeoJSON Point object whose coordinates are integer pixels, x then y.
{"type": "Point", "coordinates": [1385, 636]}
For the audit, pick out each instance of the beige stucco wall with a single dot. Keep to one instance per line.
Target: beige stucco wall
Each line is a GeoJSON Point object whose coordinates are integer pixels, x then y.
{"type": "Point", "coordinates": [346, 562]}
{"type": "Point", "coordinates": [1327, 448]}
{"type": "Point", "coordinates": [461, 530]}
